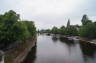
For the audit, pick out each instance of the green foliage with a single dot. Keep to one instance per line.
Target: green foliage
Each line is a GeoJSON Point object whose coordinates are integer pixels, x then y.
{"type": "Point", "coordinates": [12, 29]}
{"type": "Point", "coordinates": [30, 27]}
{"type": "Point", "coordinates": [89, 30]}
{"type": "Point", "coordinates": [48, 31]}
{"type": "Point", "coordinates": [55, 30]}
{"type": "Point", "coordinates": [71, 30]}
{"type": "Point", "coordinates": [62, 30]}
{"type": "Point", "coordinates": [85, 19]}
{"type": "Point", "coordinates": [7, 22]}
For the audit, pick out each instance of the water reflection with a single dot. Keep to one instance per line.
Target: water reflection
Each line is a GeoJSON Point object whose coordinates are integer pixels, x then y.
{"type": "Point", "coordinates": [31, 57]}
{"type": "Point", "coordinates": [65, 40]}
{"type": "Point", "coordinates": [52, 49]}
{"type": "Point", "coordinates": [54, 38]}
{"type": "Point", "coordinates": [88, 49]}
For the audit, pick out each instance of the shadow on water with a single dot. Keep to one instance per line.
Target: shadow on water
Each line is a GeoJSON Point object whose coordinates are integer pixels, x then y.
{"type": "Point", "coordinates": [62, 50]}
{"type": "Point", "coordinates": [54, 38]}
{"type": "Point", "coordinates": [88, 49]}
{"type": "Point", "coordinates": [31, 56]}
{"type": "Point", "coordinates": [62, 40]}
{"type": "Point", "coordinates": [65, 40]}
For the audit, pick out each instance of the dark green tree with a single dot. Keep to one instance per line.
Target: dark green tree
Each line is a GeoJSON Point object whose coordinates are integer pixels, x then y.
{"type": "Point", "coordinates": [55, 30]}
{"type": "Point", "coordinates": [9, 19]}
{"type": "Point", "coordinates": [71, 30]}
{"type": "Point", "coordinates": [62, 30]}
{"type": "Point", "coordinates": [12, 29]}
{"type": "Point", "coordinates": [88, 30]}
{"type": "Point", "coordinates": [84, 19]}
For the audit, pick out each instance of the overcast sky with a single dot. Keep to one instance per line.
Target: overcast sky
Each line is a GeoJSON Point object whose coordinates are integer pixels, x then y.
{"type": "Point", "coordinates": [49, 13]}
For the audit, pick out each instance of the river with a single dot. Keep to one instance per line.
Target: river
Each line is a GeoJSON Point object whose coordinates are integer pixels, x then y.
{"type": "Point", "coordinates": [50, 49]}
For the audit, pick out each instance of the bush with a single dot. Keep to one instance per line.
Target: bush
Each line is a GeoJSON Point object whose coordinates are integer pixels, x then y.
{"type": "Point", "coordinates": [12, 29]}
{"type": "Point", "coordinates": [88, 30]}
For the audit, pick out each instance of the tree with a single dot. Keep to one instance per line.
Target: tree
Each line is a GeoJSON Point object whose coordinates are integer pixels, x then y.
{"type": "Point", "coordinates": [12, 29]}
{"type": "Point", "coordinates": [8, 20]}
{"type": "Point", "coordinates": [89, 30]}
{"type": "Point", "coordinates": [30, 27]}
{"type": "Point", "coordinates": [62, 30]}
{"type": "Point", "coordinates": [71, 30]}
{"type": "Point", "coordinates": [84, 19]}
{"type": "Point", "coordinates": [55, 30]}
{"type": "Point", "coordinates": [48, 31]}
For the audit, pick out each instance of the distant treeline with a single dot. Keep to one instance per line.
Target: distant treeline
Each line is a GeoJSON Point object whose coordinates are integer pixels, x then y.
{"type": "Point", "coordinates": [13, 29]}
{"type": "Point", "coordinates": [87, 29]}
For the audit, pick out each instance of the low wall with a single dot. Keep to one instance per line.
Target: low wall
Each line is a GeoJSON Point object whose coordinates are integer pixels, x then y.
{"type": "Point", "coordinates": [22, 56]}
{"type": "Point", "coordinates": [20, 53]}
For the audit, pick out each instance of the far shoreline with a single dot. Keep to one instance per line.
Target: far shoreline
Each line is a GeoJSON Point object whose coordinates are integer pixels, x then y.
{"type": "Point", "coordinates": [92, 41]}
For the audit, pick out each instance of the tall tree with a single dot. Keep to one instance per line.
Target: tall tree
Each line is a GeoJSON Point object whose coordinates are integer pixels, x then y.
{"type": "Point", "coordinates": [71, 30]}
{"type": "Point", "coordinates": [62, 30]}
{"type": "Point", "coordinates": [88, 30]}
{"type": "Point", "coordinates": [12, 29]}
{"type": "Point", "coordinates": [55, 30]}
{"type": "Point", "coordinates": [84, 19]}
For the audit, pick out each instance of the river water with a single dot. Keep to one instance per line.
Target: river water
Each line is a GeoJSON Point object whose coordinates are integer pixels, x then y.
{"type": "Point", "coordinates": [50, 49]}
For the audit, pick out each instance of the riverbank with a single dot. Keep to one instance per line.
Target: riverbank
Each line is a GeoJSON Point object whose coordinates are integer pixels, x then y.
{"type": "Point", "coordinates": [19, 54]}
{"type": "Point", "coordinates": [92, 41]}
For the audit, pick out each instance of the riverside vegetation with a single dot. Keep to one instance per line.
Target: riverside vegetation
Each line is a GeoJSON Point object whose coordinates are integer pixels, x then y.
{"type": "Point", "coordinates": [13, 29]}
{"type": "Point", "coordinates": [87, 29]}
{"type": "Point", "coordinates": [17, 36]}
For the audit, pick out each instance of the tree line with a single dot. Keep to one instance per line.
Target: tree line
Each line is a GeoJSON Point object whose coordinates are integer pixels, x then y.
{"type": "Point", "coordinates": [87, 29]}
{"type": "Point", "coordinates": [13, 29]}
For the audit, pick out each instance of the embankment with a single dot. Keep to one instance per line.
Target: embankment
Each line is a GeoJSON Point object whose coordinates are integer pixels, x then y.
{"type": "Point", "coordinates": [19, 54]}
{"type": "Point", "coordinates": [91, 41]}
